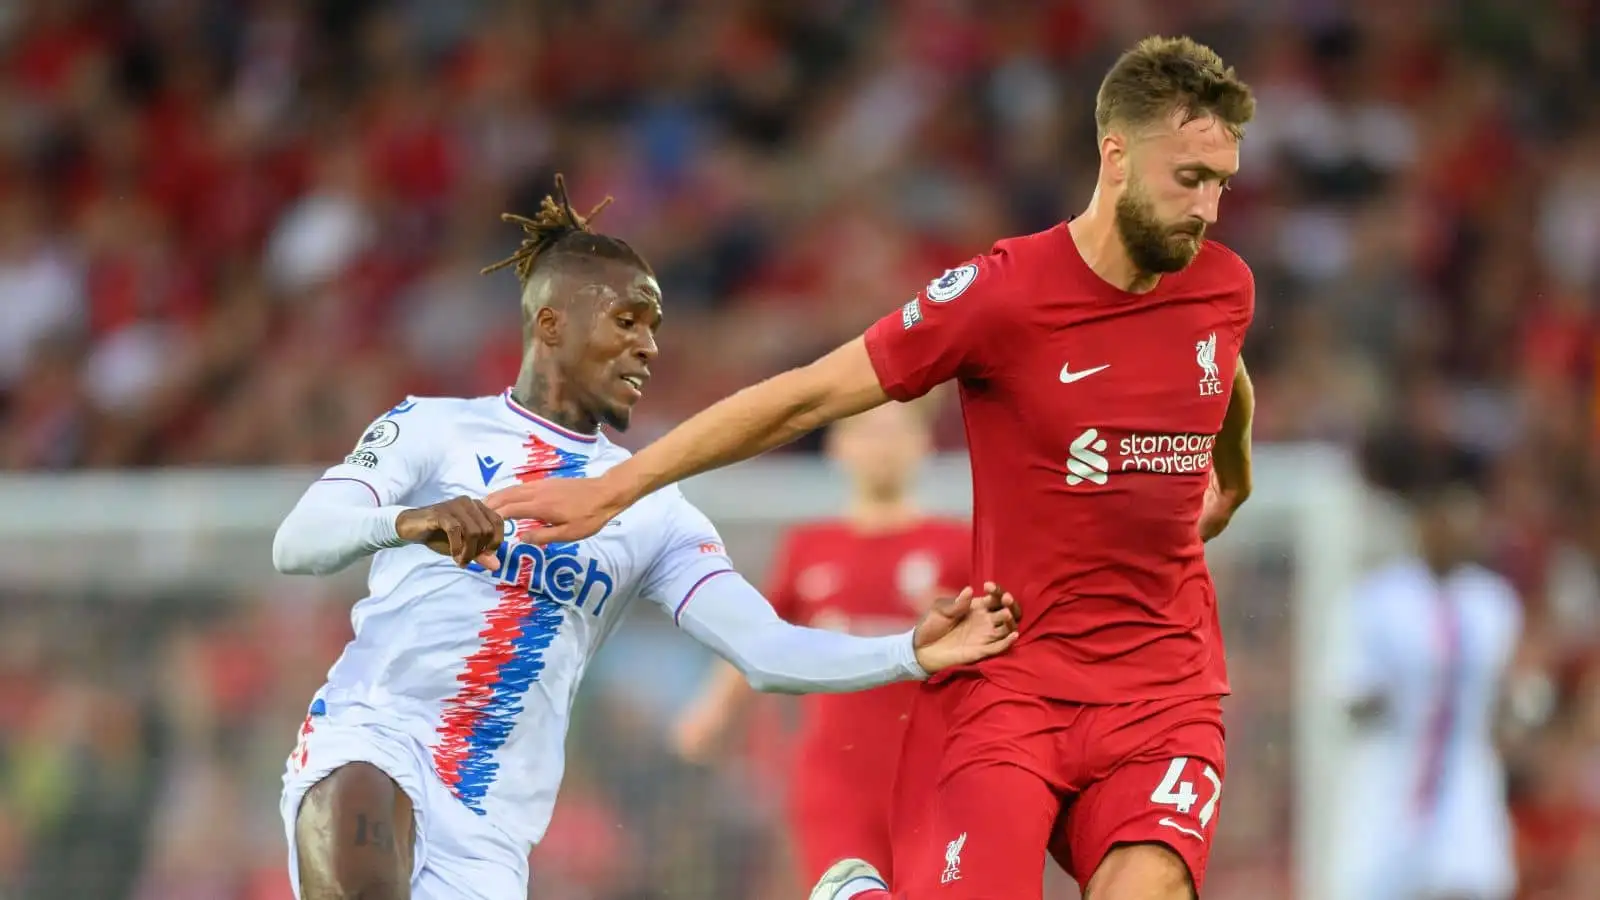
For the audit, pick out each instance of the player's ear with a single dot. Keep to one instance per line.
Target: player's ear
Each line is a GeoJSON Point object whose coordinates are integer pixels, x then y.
{"type": "Point", "coordinates": [547, 322]}
{"type": "Point", "coordinates": [1114, 156]}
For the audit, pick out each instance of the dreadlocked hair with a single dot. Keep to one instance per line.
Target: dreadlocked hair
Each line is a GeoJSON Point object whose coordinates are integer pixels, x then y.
{"type": "Point", "coordinates": [558, 230]}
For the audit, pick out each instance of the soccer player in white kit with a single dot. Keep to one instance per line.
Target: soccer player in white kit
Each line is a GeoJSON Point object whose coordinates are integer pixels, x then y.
{"type": "Point", "coordinates": [1423, 807]}
{"type": "Point", "coordinates": [428, 764]}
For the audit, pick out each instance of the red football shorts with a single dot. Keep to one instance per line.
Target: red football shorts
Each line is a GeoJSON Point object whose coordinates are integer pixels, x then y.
{"type": "Point", "coordinates": [833, 816]}
{"type": "Point", "coordinates": [991, 780]}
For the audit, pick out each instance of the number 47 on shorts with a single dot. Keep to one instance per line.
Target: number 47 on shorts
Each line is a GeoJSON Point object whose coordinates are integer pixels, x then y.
{"type": "Point", "coordinates": [1174, 791]}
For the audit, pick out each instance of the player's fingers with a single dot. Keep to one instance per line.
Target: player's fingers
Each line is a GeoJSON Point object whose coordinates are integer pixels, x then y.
{"type": "Point", "coordinates": [540, 534]}
{"type": "Point", "coordinates": [455, 533]}
{"type": "Point", "coordinates": [479, 515]}
{"type": "Point", "coordinates": [505, 497]}
{"type": "Point", "coordinates": [547, 534]}
{"type": "Point", "coordinates": [497, 522]}
{"type": "Point", "coordinates": [992, 596]}
{"type": "Point", "coordinates": [1009, 606]}
{"type": "Point", "coordinates": [990, 648]}
{"type": "Point", "coordinates": [513, 508]}
{"type": "Point", "coordinates": [485, 528]}
{"type": "Point", "coordinates": [954, 607]}
{"type": "Point", "coordinates": [971, 653]}
{"type": "Point", "coordinates": [1014, 605]}
{"type": "Point", "coordinates": [1002, 623]}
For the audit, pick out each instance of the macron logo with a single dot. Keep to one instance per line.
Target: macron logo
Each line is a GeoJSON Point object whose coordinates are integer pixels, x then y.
{"type": "Point", "coordinates": [1085, 459]}
{"type": "Point", "coordinates": [487, 466]}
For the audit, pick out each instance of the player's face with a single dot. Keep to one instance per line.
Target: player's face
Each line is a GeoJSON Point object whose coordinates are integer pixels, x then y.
{"type": "Point", "coordinates": [1176, 174]}
{"type": "Point", "coordinates": [880, 449]}
{"type": "Point", "coordinates": [609, 366]}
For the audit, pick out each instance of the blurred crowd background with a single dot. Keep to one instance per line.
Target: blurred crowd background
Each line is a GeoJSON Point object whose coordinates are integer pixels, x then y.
{"type": "Point", "coordinates": [232, 231]}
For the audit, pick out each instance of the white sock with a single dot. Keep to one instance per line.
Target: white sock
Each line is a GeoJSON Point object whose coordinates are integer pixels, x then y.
{"type": "Point", "coordinates": [859, 885]}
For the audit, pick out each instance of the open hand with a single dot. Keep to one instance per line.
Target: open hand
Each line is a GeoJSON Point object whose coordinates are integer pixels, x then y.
{"type": "Point", "coordinates": [558, 510]}
{"type": "Point", "coordinates": [962, 629]}
{"type": "Point", "coordinates": [461, 528]}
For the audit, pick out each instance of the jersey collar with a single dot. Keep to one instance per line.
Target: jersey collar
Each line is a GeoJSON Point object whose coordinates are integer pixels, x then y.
{"type": "Point", "coordinates": [548, 429]}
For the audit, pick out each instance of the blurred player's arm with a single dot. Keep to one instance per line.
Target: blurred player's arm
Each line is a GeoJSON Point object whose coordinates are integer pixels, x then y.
{"type": "Point", "coordinates": [1232, 479]}
{"type": "Point", "coordinates": [709, 715]}
{"type": "Point", "coordinates": [1527, 695]}
{"type": "Point", "coordinates": [358, 507]}
{"type": "Point", "coordinates": [1362, 669]}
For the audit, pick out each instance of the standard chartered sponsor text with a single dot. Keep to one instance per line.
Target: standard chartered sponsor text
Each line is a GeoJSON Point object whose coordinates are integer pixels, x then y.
{"type": "Point", "coordinates": [1174, 454]}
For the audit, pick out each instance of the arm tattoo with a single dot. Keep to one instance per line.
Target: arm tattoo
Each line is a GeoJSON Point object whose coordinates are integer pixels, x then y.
{"type": "Point", "coordinates": [374, 832]}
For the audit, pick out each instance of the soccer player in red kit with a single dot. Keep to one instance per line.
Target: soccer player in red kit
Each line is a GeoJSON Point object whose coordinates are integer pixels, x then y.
{"type": "Point", "coordinates": [872, 571]}
{"type": "Point", "coordinates": [1108, 419]}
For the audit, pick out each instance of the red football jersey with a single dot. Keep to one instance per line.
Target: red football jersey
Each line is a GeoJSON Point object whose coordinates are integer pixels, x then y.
{"type": "Point", "coordinates": [1091, 413]}
{"type": "Point", "coordinates": [831, 575]}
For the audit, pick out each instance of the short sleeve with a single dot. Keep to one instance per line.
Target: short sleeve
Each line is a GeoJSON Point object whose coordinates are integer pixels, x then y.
{"type": "Point", "coordinates": [690, 553]}
{"type": "Point", "coordinates": [1240, 283]}
{"type": "Point", "coordinates": [393, 455]}
{"type": "Point", "coordinates": [1247, 303]}
{"type": "Point", "coordinates": [949, 330]}
{"type": "Point", "coordinates": [780, 584]}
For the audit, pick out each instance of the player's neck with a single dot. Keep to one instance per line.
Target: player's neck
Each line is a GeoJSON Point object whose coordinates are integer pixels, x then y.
{"type": "Point", "coordinates": [873, 514]}
{"type": "Point", "coordinates": [541, 395]}
{"type": "Point", "coordinates": [1095, 234]}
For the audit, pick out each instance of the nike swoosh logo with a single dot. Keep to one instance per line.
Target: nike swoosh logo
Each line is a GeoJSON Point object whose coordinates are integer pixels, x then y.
{"type": "Point", "coordinates": [1068, 376]}
{"type": "Point", "coordinates": [1167, 821]}
{"type": "Point", "coordinates": [487, 466]}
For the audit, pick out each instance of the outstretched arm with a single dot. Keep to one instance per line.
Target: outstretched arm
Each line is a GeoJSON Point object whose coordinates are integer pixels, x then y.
{"type": "Point", "coordinates": [749, 423]}
{"type": "Point", "coordinates": [960, 327]}
{"type": "Point", "coordinates": [1231, 480]}
{"type": "Point", "coordinates": [757, 419]}
{"type": "Point", "coordinates": [730, 616]}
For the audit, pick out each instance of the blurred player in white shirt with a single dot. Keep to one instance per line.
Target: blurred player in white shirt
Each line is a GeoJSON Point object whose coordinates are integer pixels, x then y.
{"type": "Point", "coordinates": [1432, 636]}
{"type": "Point", "coordinates": [428, 764]}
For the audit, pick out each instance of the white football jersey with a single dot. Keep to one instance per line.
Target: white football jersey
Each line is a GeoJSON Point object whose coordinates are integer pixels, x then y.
{"type": "Point", "coordinates": [481, 667]}
{"type": "Point", "coordinates": [1423, 801]}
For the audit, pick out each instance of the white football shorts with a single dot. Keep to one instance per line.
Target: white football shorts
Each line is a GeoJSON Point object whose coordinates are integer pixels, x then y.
{"type": "Point", "coordinates": [458, 855]}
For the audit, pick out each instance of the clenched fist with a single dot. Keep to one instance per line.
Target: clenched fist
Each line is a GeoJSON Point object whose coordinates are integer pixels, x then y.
{"type": "Point", "coordinates": [461, 528]}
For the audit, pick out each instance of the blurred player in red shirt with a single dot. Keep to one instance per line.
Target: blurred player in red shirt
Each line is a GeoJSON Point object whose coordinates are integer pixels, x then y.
{"type": "Point", "coordinates": [1108, 419]}
{"type": "Point", "coordinates": [871, 572]}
